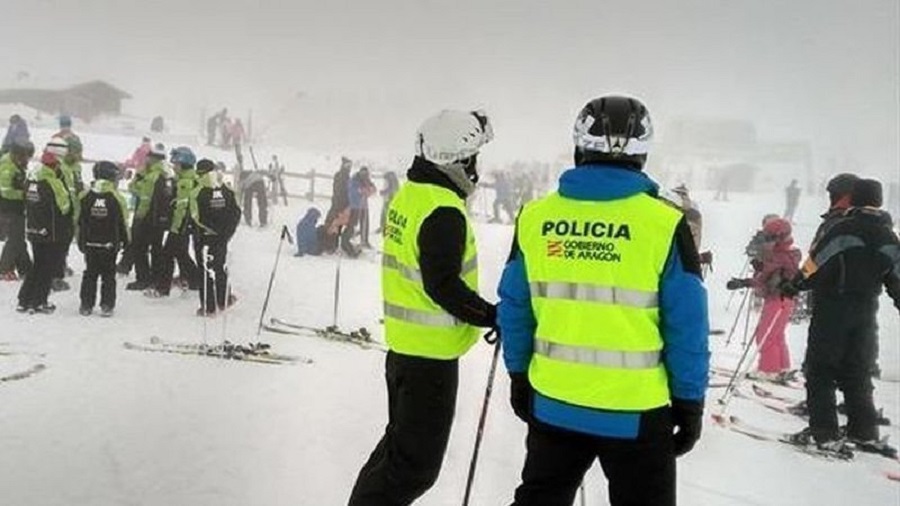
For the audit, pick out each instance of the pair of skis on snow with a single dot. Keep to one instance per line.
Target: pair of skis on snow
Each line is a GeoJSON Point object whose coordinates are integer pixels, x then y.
{"type": "Point", "coordinates": [360, 337]}
{"type": "Point", "coordinates": [740, 426]}
{"type": "Point", "coordinates": [261, 352]}
{"type": "Point", "coordinates": [252, 352]}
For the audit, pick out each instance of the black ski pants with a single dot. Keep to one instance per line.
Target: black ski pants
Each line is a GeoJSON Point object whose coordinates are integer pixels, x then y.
{"type": "Point", "coordinates": [99, 264]}
{"type": "Point", "coordinates": [36, 287]}
{"type": "Point", "coordinates": [15, 251]}
{"type": "Point", "coordinates": [841, 350]}
{"type": "Point", "coordinates": [214, 289]}
{"type": "Point", "coordinates": [176, 249]}
{"type": "Point", "coordinates": [640, 472]}
{"type": "Point", "coordinates": [407, 460]}
{"type": "Point", "coordinates": [127, 260]}
{"type": "Point", "coordinates": [147, 250]}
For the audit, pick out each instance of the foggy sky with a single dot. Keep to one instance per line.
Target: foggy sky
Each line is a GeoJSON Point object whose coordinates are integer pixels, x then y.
{"type": "Point", "coordinates": [370, 71]}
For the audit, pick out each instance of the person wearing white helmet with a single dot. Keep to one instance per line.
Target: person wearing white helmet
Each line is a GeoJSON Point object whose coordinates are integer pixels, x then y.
{"type": "Point", "coordinates": [48, 225]}
{"type": "Point", "coordinates": [432, 311]}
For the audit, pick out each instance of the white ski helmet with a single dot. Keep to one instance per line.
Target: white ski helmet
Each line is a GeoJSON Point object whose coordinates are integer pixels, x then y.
{"type": "Point", "coordinates": [58, 147]}
{"type": "Point", "coordinates": [450, 140]}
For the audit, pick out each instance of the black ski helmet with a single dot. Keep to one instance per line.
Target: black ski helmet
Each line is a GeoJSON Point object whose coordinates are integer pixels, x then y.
{"type": "Point", "coordinates": [841, 185]}
{"type": "Point", "coordinates": [205, 165]}
{"type": "Point", "coordinates": [613, 129]}
{"type": "Point", "coordinates": [106, 170]}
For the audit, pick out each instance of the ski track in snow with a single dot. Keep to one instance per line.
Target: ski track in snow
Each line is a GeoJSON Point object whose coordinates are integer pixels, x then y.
{"type": "Point", "coordinates": [102, 425]}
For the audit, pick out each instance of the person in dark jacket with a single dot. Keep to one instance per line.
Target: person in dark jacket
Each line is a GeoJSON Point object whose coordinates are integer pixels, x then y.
{"type": "Point", "coordinates": [216, 215]}
{"type": "Point", "coordinates": [154, 191]}
{"type": "Point", "coordinates": [791, 198]}
{"type": "Point", "coordinates": [102, 232]}
{"type": "Point", "coordinates": [307, 234]}
{"type": "Point", "coordinates": [16, 132]}
{"type": "Point", "coordinates": [848, 266]}
{"type": "Point", "coordinates": [13, 169]}
{"type": "Point", "coordinates": [48, 225]}
{"type": "Point", "coordinates": [358, 192]}
{"type": "Point", "coordinates": [177, 241]}
{"type": "Point", "coordinates": [604, 323]}
{"type": "Point", "coordinates": [340, 198]}
{"type": "Point", "coordinates": [432, 308]}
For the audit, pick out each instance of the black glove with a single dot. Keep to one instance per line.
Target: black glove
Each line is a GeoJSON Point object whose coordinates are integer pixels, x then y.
{"type": "Point", "coordinates": [788, 289]}
{"type": "Point", "coordinates": [706, 258]}
{"type": "Point", "coordinates": [687, 418]}
{"type": "Point", "coordinates": [521, 395]}
{"type": "Point", "coordinates": [735, 283]}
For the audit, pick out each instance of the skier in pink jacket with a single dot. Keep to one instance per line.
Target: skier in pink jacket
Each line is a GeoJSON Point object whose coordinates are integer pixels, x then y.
{"type": "Point", "coordinates": [780, 262]}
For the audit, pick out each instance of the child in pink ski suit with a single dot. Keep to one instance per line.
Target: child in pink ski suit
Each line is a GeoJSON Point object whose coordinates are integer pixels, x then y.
{"type": "Point", "coordinates": [779, 262]}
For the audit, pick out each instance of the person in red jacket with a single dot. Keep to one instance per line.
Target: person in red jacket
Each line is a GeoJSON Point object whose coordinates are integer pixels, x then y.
{"type": "Point", "coordinates": [780, 262]}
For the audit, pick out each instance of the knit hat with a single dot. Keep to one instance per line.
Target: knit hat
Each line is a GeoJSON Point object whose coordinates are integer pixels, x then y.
{"type": "Point", "coordinates": [866, 193]}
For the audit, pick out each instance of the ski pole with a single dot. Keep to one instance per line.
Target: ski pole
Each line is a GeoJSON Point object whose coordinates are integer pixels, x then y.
{"type": "Point", "coordinates": [743, 273]}
{"type": "Point", "coordinates": [737, 317]}
{"type": "Point", "coordinates": [285, 234]}
{"type": "Point", "coordinates": [337, 277]}
{"type": "Point", "coordinates": [479, 434]}
{"type": "Point", "coordinates": [747, 320]}
{"type": "Point", "coordinates": [583, 496]}
{"type": "Point", "coordinates": [738, 376]}
{"type": "Point", "coordinates": [203, 292]}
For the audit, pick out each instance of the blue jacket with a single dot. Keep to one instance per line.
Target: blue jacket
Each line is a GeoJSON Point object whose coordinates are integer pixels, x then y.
{"type": "Point", "coordinates": [683, 315]}
{"type": "Point", "coordinates": [307, 239]}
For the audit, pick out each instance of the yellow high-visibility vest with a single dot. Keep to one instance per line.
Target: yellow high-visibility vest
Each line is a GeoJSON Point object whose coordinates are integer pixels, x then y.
{"type": "Point", "coordinates": [414, 324]}
{"type": "Point", "coordinates": [594, 270]}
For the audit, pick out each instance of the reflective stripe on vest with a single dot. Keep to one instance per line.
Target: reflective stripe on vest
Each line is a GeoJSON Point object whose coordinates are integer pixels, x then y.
{"type": "Point", "coordinates": [413, 274]}
{"type": "Point", "coordinates": [599, 358]}
{"type": "Point", "coordinates": [414, 324]}
{"type": "Point", "coordinates": [594, 293]}
{"type": "Point", "coordinates": [420, 317]}
{"type": "Point", "coordinates": [593, 270]}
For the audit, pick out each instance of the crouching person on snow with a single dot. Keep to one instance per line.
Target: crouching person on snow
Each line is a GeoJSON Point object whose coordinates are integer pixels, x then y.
{"type": "Point", "coordinates": [431, 308]}
{"type": "Point", "coordinates": [216, 214]}
{"type": "Point", "coordinates": [102, 232]}
{"type": "Point", "coordinates": [48, 226]}
{"type": "Point", "coordinates": [603, 315]}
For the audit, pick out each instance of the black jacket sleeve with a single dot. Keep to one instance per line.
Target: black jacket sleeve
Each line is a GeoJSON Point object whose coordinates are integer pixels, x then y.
{"type": "Point", "coordinates": [442, 242]}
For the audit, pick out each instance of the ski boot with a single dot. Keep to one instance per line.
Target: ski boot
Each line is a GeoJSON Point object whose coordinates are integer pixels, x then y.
{"type": "Point", "coordinates": [85, 311]}
{"type": "Point", "coordinates": [45, 308]}
{"type": "Point", "coordinates": [106, 311]}
{"type": "Point", "coordinates": [137, 286]}
{"type": "Point", "coordinates": [59, 285]}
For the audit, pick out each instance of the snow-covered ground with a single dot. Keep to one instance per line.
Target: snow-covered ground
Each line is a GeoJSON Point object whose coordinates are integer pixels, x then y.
{"type": "Point", "coordinates": [102, 425]}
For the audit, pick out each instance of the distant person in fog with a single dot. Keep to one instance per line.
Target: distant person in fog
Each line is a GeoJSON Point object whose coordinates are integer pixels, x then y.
{"type": "Point", "coordinates": [792, 198]}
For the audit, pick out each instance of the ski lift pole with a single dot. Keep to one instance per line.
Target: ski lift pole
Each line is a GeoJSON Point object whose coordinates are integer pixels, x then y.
{"type": "Point", "coordinates": [479, 434]}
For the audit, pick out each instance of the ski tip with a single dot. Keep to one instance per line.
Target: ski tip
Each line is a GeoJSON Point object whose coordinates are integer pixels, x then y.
{"type": "Point", "coordinates": [892, 475]}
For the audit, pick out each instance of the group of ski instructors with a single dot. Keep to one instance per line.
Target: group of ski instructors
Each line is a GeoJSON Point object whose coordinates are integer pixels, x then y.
{"type": "Point", "coordinates": [172, 208]}
{"type": "Point", "coordinates": [602, 316]}
{"type": "Point", "coordinates": [854, 253]}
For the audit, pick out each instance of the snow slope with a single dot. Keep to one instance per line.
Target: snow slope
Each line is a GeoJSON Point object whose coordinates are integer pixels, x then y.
{"type": "Point", "coordinates": [107, 426]}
